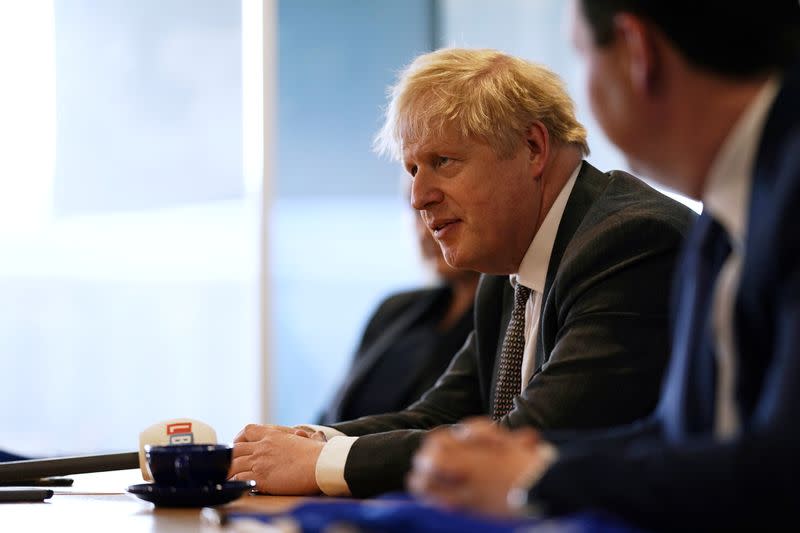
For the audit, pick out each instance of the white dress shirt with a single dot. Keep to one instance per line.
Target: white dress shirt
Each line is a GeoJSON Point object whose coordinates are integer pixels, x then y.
{"type": "Point", "coordinates": [532, 274]}
{"type": "Point", "coordinates": [727, 198]}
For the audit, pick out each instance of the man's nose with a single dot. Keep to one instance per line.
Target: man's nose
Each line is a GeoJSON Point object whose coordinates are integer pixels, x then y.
{"type": "Point", "coordinates": [424, 192]}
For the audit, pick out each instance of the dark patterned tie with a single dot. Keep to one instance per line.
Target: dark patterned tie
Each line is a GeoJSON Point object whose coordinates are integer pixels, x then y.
{"type": "Point", "coordinates": [509, 378]}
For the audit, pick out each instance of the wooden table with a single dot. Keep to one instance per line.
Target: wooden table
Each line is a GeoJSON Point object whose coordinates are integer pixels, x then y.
{"type": "Point", "coordinates": [99, 502]}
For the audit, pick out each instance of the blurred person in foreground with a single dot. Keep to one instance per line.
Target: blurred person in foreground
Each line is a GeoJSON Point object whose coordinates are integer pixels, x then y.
{"type": "Point", "coordinates": [571, 316]}
{"type": "Point", "coordinates": [704, 97]}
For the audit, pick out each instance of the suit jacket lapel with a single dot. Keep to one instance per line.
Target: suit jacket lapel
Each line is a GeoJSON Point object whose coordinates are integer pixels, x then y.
{"type": "Point", "coordinates": [496, 299]}
{"type": "Point", "coordinates": [588, 186]}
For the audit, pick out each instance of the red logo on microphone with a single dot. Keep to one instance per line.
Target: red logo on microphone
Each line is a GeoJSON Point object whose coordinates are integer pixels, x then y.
{"type": "Point", "coordinates": [180, 433]}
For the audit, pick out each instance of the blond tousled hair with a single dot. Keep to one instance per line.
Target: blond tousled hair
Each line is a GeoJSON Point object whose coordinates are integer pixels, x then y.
{"type": "Point", "coordinates": [482, 93]}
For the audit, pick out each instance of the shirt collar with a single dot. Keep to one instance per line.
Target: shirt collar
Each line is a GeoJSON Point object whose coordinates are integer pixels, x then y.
{"type": "Point", "coordinates": [533, 269]}
{"type": "Point", "coordinates": [727, 193]}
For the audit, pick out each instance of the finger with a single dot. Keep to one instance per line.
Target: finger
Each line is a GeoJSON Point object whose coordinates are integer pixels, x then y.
{"type": "Point", "coordinates": [458, 431]}
{"type": "Point", "coordinates": [250, 433]}
{"type": "Point", "coordinates": [261, 486]}
{"type": "Point", "coordinates": [282, 429]}
{"type": "Point", "coordinates": [427, 457]}
{"type": "Point", "coordinates": [436, 491]}
{"type": "Point", "coordinates": [453, 497]}
{"type": "Point", "coordinates": [440, 437]}
{"type": "Point", "coordinates": [466, 434]}
{"type": "Point", "coordinates": [481, 429]}
{"type": "Point", "coordinates": [418, 483]}
{"type": "Point", "coordinates": [255, 432]}
{"type": "Point", "coordinates": [422, 462]}
{"type": "Point", "coordinates": [527, 436]}
{"type": "Point", "coordinates": [245, 475]}
{"type": "Point", "coordinates": [302, 433]}
{"type": "Point", "coordinates": [320, 436]}
{"type": "Point", "coordinates": [243, 448]}
{"type": "Point", "coordinates": [241, 464]}
{"type": "Point", "coordinates": [240, 436]}
{"type": "Point", "coordinates": [427, 483]}
{"type": "Point", "coordinates": [478, 421]}
{"type": "Point", "coordinates": [439, 467]}
{"type": "Point", "coordinates": [241, 476]}
{"type": "Point", "coordinates": [484, 425]}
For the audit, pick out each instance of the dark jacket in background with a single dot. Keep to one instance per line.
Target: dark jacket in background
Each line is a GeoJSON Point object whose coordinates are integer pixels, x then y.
{"type": "Point", "coordinates": [400, 356]}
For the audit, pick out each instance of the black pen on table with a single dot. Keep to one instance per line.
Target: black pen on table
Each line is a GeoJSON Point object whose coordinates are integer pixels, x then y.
{"type": "Point", "coordinates": [40, 482]}
{"type": "Point", "coordinates": [24, 495]}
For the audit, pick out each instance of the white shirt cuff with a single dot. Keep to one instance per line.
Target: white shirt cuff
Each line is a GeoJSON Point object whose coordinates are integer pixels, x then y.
{"type": "Point", "coordinates": [325, 430]}
{"type": "Point", "coordinates": [330, 465]}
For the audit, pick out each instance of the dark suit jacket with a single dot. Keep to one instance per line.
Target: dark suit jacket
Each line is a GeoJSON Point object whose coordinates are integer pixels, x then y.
{"type": "Point", "coordinates": [664, 474]}
{"type": "Point", "coordinates": [603, 332]}
{"type": "Point", "coordinates": [397, 316]}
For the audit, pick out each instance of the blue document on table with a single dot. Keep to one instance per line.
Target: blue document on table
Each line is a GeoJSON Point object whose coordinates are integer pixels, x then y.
{"type": "Point", "coordinates": [401, 514]}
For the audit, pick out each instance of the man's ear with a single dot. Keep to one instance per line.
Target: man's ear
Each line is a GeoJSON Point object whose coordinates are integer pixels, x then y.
{"type": "Point", "coordinates": [538, 140]}
{"type": "Point", "coordinates": [636, 36]}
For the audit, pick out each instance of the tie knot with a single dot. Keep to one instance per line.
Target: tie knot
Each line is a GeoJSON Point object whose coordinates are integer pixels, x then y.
{"type": "Point", "coordinates": [521, 294]}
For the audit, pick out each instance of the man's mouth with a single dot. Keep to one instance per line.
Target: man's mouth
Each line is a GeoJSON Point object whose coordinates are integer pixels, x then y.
{"type": "Point", "coordinates": [440, 226]}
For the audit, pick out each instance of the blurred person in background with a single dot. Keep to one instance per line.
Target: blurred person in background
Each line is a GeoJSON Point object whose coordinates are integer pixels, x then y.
{"type": "Point", "coordinates": [409, 340]}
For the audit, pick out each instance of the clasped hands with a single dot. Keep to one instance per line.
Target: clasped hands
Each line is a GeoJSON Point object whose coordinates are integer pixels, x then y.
{"type": "Point", "coordinates": [281, 460]}
{"type": "Point", "coordinates": [473, 465]}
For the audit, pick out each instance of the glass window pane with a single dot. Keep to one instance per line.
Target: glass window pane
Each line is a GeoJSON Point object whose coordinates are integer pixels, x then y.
{"type": "Point", "coordinates": [341, 234]}
{"type": "Point", "coordinates": [131, 247]}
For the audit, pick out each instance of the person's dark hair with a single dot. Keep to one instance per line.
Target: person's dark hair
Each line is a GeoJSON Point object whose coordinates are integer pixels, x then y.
{"type": "Point", "coordinates": [731, 38]}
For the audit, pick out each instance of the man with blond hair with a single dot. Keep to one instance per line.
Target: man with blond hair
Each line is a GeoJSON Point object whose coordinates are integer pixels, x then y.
{"type": "Point", "coordinates": [571, 315]}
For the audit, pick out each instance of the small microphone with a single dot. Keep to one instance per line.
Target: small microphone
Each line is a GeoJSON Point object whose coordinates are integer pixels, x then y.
{"type": "Point", "coordinates": [168, 432]}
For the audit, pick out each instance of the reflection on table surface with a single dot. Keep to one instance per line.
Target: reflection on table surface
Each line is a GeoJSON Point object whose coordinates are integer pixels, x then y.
{"type": "Point", "coordinates": [99, 502]}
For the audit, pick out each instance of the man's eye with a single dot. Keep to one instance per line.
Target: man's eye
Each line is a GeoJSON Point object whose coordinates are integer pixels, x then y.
{"type": "Point", "coordinates": [412, 169]}
{"type": "Point", "coordinates": [442, 161]}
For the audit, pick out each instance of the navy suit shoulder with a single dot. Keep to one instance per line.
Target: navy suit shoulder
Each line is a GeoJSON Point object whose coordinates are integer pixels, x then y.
{"type": "Point", "coordinates": [663, 480]}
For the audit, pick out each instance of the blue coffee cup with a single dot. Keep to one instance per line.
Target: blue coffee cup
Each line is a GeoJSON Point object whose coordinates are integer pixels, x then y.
{"type": "Point", "coordinates": [184, 465]}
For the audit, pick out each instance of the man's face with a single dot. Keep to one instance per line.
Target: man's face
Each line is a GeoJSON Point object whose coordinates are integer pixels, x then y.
{"type": "Point", "coordinates": [608, 88]}
{"type": "Point", "coordinates": [480, 208]}
{"type": "Point", "coordinates": [634, 84]}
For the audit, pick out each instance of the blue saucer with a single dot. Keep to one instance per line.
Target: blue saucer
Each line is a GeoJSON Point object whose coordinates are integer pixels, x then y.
{"type": "Point", "coordinates": [200, 496]}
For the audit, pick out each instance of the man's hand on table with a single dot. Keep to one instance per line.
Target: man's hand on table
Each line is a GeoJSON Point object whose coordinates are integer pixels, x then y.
{"type": "Point", "coordinates": [280, 459]}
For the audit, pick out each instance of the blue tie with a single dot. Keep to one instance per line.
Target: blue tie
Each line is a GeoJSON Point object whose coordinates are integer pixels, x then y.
{"type": "Point", "coordinates": [712, 252]}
